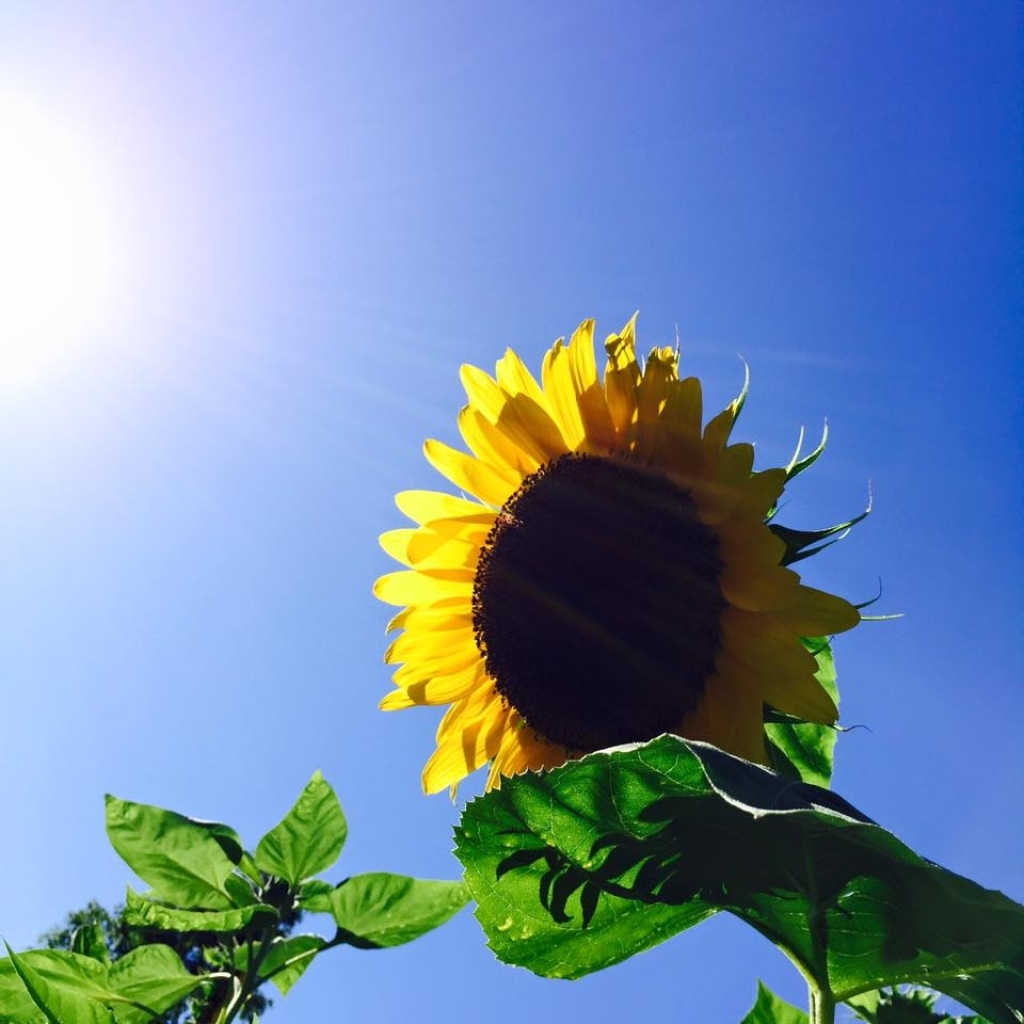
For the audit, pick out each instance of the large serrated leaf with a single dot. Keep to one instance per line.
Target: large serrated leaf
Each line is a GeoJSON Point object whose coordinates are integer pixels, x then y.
{"type": "Point", "coordinates": [378, 909]}
{"type": "Point", "coordinates": [685, 828]}
{"type": "Point", "coordinates": [183, 860]}
{"type": "Point", "coordinates": [308, 839]}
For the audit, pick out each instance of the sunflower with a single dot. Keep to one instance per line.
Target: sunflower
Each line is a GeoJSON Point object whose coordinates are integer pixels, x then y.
{"type": "Point", "coordinates": [612, 577]}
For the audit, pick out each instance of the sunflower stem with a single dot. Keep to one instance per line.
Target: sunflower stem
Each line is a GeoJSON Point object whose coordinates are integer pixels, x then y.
{"type": "Point", "coordinates": [822, 1005]}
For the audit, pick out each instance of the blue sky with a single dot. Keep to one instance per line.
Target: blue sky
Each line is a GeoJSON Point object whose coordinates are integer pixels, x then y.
{"type": "Point", "coordinates": [319, 213]}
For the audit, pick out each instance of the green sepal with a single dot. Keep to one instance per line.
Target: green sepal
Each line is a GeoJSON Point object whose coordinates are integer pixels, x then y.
{"type": "Point", "coordinates": [378, 909]}
{"type": "Point", "coordinates": [146, 913]}
{"type": "Point", "coordinates": [308, 839]}
{"type": "Point", "coordinates": [797, 464]}
{"type": "Point", "coordinates": [799, 542]}
{"type": "Point", "coordinates": [770, 1009]}
{"type": "Point", "coordinates": [690, 830]}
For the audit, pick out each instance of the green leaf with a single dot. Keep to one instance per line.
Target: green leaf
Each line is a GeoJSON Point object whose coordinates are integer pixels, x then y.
{"type": "Point", "coordinates": [288, 959]}
{"type": "Point", "coordinates": [66, 988]}
{"type": "Point", "coordinates": [770, 1009]}
{"type": "Point", "coordinates": [683, 826]}
{"type": "Point", "coordinates": [575, 927]}
{"type": "Point", "coordinates": [377, 910]}
{"type": "Point", "coordinates": [183, 860]}
{"type": "Point", "coordinates": [147, 913]}
{"type": "Point", "coordinates": [313, 890]}
{"type": "Point", "coordinates": [803, 750]}
{"type": "Point", "coordinates": [153, 977]}
{"type": "Point", "coordinates": [309, 838]}
{"type": "Point", "coordinates": [903, 1006]}
{"type": "Point", "coordinates": [16, 1005]}
{"type": "Point", "coordinates": [88, 941]}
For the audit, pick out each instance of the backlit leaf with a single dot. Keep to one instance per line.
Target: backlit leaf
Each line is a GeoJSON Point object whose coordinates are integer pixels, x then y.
{"type": "Point", "coordinates": [378, 909]}
{"type": "Point", "coordinates": [687, 829]}
{"type": "Point", "coordinates": [770, 1009]}
{"type": "Point", "coordinates": [183, 860]}
{"type": "Point", "coordinates": [309, 838]}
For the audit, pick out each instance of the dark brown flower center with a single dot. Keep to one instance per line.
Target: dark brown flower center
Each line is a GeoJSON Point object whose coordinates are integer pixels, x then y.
{"type": "Point", "coordinates": [596, 603]}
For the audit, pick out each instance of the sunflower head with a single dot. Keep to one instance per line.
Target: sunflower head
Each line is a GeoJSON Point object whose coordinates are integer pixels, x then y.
{"type": "Point", "coordinates": [610, 575]}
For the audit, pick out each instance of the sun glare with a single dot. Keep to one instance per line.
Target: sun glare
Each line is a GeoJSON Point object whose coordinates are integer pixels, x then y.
{"type": "Point", "coordinates": [55, 253]}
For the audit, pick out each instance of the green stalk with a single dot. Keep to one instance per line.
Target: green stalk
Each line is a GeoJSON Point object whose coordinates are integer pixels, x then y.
{"type": "Point", "coordinates": [822, 1005]}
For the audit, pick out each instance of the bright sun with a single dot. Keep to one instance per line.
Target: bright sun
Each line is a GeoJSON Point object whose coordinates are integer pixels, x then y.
{"type": "Point", "coordinates": [55, 252]}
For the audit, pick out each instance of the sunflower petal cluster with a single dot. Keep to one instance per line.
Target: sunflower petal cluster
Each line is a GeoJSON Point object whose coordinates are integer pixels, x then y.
{"type": "Point", "coordinates": [642, 418]}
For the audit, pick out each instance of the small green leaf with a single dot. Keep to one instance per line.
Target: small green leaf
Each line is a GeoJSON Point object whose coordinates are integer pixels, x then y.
{"type": "Point", "coordinates": [183, 860]}
{"type": "Point", "coordinates": [904, 1006]}
{"type": "Point", "coordinates": [309, 838]}
{"type": "Point", "coordinates": [804, 750]}
{"type": "Point", "coordinates": [377, 910]}
{"type": "Point", "coordinates": [64, 986]}
{"type": "Point", "coordinates": [146, 913]}
{"type": "Point", "coordinates": [240, 890]}
{"type": "Point", "coordinates": [685, 827]}
{"type": "Point", "coordinates": [88, 941]}
{"type": "Point", "coordinates": [288, 959]}
{"type": "Point", "coordinates": [770, 1009]}
{"type": "Point", "coordinates": [313, 890]}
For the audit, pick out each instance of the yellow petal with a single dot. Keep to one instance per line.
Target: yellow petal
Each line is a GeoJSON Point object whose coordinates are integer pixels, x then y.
{"type": "Point", "coordinates": [396, 544]}
{"type": "Point", "coordinates": [717, 496]}
{"type": "Point", "coordinates": [622, 381]}
{"type": "Point", "coordinates": [464, 751]}
{"type": "Point", "coordinates": [516, 379]}
{"type": "Point", "coordinates": [422, 648]}
{"type": "Point", "coordinates": [425, 506]}
{"type": "Point", "coordinates": [561, 394]}
{"type": "Point", "coordinates": [490, 483]}
{"type": "Point", "coordinates": [599, 430]}
{"type": "Point", "coordinates": [816, 613]}
{"type": "Point", "coordinates": [523, 750]}
{"type": "Point", "coordinates": [437, 690]}
{"type": "Point", "coordinates": [411, 587]}
{"type": "Point", "coordinates": [678, 447]}
{"type": "Point", "coordinates": [759, 640]}
{"type": "Point", "coordinates": [451, 548]}
{"type": "Point", "coordinates": [500, 446]}
{"type": "Point", "coordinates": [655, 385]}
{"type": "Point", "coordinates": [755, 499]}
{"type": "Point", "coordinates": [431, 618]}
{"type": "Point", "coordinates": [797, 694]}
{"type": "Point", "coordinates": [457, 606]}
{"type": "Point", "coordinates": [716, 433]}
{"type": "Point", "coordinates": [752, 577]}
{"type": "Point", "coordinates": [424, 668]}
{"type": "Point", "coordinates": [522, 415]}
{"type": "Point", "coordinates": [730, 718]}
